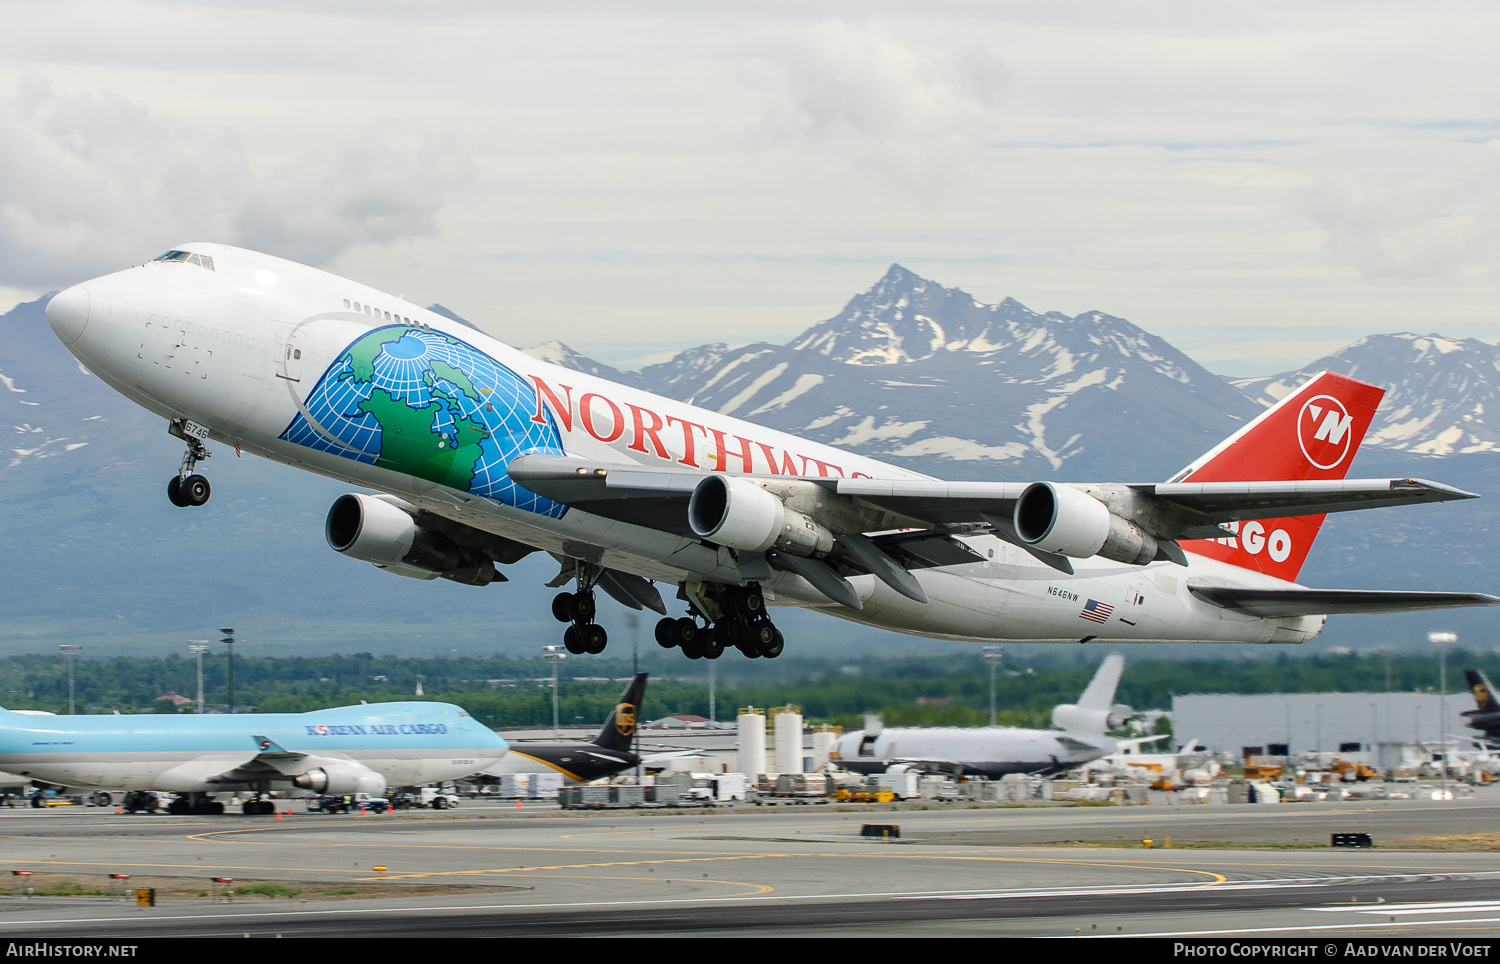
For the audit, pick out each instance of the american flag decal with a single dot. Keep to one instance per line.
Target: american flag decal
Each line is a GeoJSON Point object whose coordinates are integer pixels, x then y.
{"type": "Point", "coordinates": [1096, 611]}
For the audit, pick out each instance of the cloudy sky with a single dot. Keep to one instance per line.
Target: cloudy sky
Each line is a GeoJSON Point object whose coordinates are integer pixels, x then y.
{"type": "Point", "coordinates": [1257, 185]}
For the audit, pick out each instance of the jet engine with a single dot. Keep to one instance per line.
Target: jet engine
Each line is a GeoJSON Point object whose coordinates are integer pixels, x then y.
{"type": "Point", "coordinates": [376, 531]}
{"type": "Point", "coordinates": [741, 515]}
{"type": "Point", "coordinates": [337, 778]}
{"type": "Point", "coordinates": [1077, 719]}
{"type": "Point", "coordinates": [1061, 519]}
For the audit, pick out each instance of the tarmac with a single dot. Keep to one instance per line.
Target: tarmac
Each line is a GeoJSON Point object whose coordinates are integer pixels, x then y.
{"type": "Point", "coordinates": [490, 869]}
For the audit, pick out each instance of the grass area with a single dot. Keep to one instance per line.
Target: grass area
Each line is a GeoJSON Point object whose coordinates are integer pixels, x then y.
{"type": "Point", "coordinates": [271, 889]}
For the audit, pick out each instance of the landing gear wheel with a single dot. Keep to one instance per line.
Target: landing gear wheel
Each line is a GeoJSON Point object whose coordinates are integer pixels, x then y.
{"type": "Point", "coordinates": [174, 492]}
{"type": "Point", "coordinates": [573, 641]}
{"type": "Point", "coordinates": [195, 490]}
{"type": "Point", "coordinates": [730, 632]}
{"type": "Point", "coordinates": [692, 650]}
{"type": "Point", "coordinates": [594, 638]}
{"type": "Point", "coordinates": [687, 633]}
{"type": "Point", "coordinates": [774, 650]}
{"type": "Point", "coordinates": [582, 608]}
{"type": "Point", "coordinates": [750, 602]}
{"type": "Point", "coordinates": [762, 635]}
{"type": "Point", "coordinates": [666, 633]}
{"type": "Point", "coordinates": [180, 807]}
{"type": "Point", "coordinates": [562, 605]}
{"type": "Point", "coordinates": [710, 645]}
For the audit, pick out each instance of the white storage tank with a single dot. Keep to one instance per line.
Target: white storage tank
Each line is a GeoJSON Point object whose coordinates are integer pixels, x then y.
{"type": "Point", "coordinates": [787, 736]}
{"type": "Point", "coordinates": [823, 738]}
{"type": "Point", "coordinates": [751, 742]}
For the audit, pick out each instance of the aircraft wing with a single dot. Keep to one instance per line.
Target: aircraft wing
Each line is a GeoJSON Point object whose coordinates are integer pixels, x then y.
{"type": "Point", "coordinates": [658, 497]}
{"type": "Point", "coordinates": [271, 761]}
{"type": "Point", "coordinates": [1328, 602]}
{"type": "Point", "coordinates": [911, 522]}
{"type": "Point", "coordinates": [1241, 501]}
{"type": "Point", "coordinates": [933, 765]}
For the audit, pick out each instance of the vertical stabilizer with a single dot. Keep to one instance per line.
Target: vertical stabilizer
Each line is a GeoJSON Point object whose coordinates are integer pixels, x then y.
{"type": "Point", "coordinates": [1484, 692]}
{"type": "Point", "coordinates": [1311, 434]}
{"type": "Point", "coordinates": [1100, 694]}
{"type": "Point", "coordinates": [1095, 711]}
{"type": "Point", "coordinates": [619, 729]}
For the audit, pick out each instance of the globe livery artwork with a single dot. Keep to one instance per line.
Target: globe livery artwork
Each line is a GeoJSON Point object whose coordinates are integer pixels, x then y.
{"type": "Point", "coordinates": [429, 405]}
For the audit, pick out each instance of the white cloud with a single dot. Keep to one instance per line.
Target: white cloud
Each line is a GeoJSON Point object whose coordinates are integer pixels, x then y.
{"type": "Point", "coordinates": [93, 182]}
{"type": "Point", "coordinates": [912, 110]}
{"type": "Point", "coordinates": [1422, 224]}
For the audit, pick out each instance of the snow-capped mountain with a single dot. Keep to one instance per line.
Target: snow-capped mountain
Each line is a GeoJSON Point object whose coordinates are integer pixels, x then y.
{"type": "Point", "coordinates": [914, 372]}
{"type": "Point", "coordinates": [1438, 390]}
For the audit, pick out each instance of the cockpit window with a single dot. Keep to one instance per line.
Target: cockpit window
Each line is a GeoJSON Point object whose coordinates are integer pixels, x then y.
{"type": "Point", "coordinates": [202, 260]}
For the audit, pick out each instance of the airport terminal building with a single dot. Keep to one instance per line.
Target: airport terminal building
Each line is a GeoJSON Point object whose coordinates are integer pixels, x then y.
{"type": "Point", "coordinates": [1320, 721]}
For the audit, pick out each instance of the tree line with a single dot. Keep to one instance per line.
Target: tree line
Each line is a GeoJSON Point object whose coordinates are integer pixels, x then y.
{"type": "Point", "coordinates": [507, 692]}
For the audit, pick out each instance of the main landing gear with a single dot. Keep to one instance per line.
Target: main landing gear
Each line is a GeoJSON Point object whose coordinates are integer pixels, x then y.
{"type": "Point", "coordinates": [197, 804]}
{"type": "Point", "coordinates": [578, 608]}
{"type": "Point", "coordinates": [742, 625]}
{"type": "Point", "coordinates": [186, 488]}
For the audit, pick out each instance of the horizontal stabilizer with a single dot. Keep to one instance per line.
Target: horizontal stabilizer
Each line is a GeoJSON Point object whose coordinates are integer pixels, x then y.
{"type": "Point", "coordinates": [1272, 603]}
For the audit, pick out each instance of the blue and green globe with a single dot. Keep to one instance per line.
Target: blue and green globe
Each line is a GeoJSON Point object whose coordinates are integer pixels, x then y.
{"type": "Point", "coordinates": [429, 405]}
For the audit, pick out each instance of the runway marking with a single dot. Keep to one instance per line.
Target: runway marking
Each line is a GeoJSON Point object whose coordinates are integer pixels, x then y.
{"type": "Point", "coordinates": [1448, 907]}
{"type": "Point", "coordinates": [1373, 926]}
{"type": "Point", "coordinates": [678, 856]}
{"type": "Point", "coordinates": [615, 863]}
{"type": "Point", "coordinates": [756, 889]}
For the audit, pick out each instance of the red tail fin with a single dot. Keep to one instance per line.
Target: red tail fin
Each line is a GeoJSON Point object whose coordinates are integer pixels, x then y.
{"type": "Point", "coordinates": [1312, 433]}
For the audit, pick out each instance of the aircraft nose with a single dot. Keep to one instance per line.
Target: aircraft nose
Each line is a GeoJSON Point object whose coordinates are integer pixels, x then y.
{"type": "Point", "coordinates": [68, 313]}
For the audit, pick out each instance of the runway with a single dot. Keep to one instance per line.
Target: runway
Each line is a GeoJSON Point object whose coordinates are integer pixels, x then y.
{"type": "Point", "coordinates": [788, 871]}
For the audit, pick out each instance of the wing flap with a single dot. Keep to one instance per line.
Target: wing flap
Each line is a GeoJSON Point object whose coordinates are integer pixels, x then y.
{"type": "Point", "coordinates": [1272, 603]}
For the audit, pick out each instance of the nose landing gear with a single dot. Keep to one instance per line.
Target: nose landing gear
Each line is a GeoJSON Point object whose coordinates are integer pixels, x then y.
{"type": "Point", "coordinates": [186, 488]}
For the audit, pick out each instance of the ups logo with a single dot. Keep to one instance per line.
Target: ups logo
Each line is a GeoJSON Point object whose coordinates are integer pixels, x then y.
{"type": "Point", "coordinates": [625, 719]}
{"type": "Point", "coordinates": [1481, 694]}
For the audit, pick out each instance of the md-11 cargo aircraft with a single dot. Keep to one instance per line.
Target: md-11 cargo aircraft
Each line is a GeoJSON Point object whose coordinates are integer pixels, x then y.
{"type": "Point", "coordinates": [481, 455]}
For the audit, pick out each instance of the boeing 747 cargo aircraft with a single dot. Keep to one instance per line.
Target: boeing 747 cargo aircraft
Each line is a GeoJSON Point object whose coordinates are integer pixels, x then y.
{"type": "Point", "coordinates": [348, 749]}
{"type": "Point", "coordinates": [480, 455]}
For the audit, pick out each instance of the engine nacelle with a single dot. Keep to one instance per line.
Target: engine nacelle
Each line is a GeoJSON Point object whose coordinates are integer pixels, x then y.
{"type": "Point", "coordinates": [338, 779]}
{"type": "Point", "coordinates": [1080, 720]}
{"type": "Point", "coordinates": [741, 515]}
{"type": "Point", "coordinates": [1061, 519]}
{"type": "Point", "coordinates": [365, 527]}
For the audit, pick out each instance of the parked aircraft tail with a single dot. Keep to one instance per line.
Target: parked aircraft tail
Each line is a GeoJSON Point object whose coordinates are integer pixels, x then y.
{"type": "Point", "coordinates": [1485, 716]}
{"type": "Point", "coordinates": [619, 729]}
{"type": "Point", "coordinates": [1483, 690]}
{"type": "Point", "coordinates": [1096, 711]}
{"type": "Point", "coordinates": [1312, 433]}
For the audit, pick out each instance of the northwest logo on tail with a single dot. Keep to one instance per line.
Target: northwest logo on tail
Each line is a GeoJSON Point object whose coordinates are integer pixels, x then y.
{"type": "Point", "coordinates": [1328, 416]}
{"type": "Point", "coordinates": [1323, 427]}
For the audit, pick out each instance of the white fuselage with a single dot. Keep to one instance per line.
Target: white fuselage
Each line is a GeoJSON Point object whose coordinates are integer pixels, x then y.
{"type": "Point", "coordinates": [990, 752]}
{"type": "Point", "coordinates": [237, 348]}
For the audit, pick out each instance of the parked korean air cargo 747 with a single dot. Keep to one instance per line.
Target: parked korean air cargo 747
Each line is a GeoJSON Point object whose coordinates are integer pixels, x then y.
{"type": "Point", "coordinates": [481, 455]}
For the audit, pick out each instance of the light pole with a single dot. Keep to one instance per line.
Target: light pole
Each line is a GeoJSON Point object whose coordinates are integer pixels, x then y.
{"type": "Point", "coordinates": [992, 656]}
{"type": "Point", "coordinates": [633, 620]}
{"type": "Point", "coordinates": [1441, 641]}
{"type": "Point", "coordinates": [228, 640]}
{"type": "Point", "coordinates": [551, 655]}
{"type": "Point", "coordinates": [70, 650]}
{"type": "Point", "coordinates": [198, 647]}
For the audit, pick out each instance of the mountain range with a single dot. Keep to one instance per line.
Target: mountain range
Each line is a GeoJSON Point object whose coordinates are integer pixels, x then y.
{"type": "Point", "coordinates": [909, 371]}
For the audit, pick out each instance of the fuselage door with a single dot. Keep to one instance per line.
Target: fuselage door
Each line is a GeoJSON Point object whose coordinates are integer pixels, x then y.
{"type": "Point", "coordinates": [291, 346]}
